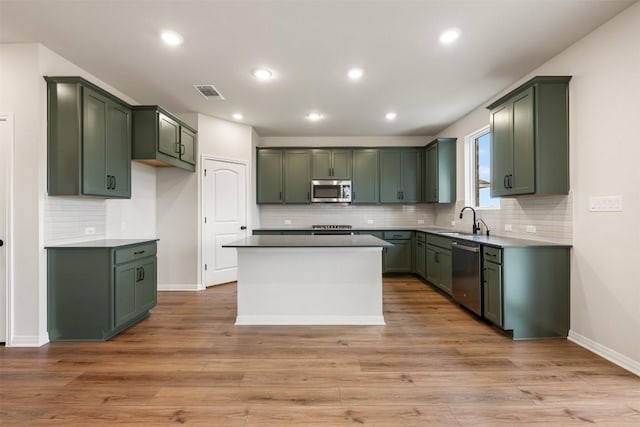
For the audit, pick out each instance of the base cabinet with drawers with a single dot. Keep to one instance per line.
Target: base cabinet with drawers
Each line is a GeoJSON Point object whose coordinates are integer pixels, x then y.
{"type": "Point", "coordinates": [97, 289]}
{"type": "Point", "coordinates": [438, 263]}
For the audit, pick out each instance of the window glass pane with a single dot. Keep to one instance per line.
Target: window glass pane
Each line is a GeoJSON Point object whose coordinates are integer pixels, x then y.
{"type": "Point", "coordinates": [483, 177]}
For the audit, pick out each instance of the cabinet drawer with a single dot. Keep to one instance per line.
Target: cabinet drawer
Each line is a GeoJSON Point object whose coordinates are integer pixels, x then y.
{"type": "Point", "coordinates": [421, 237]}
{"type": "Point", "coordinates": [131, 253]}
{"type": "Point", "coordinates": [492, 254]}
{"type": "Point", "coordinates": [443, 242]}
{"type": "Point", "coordinates": [401, 235]}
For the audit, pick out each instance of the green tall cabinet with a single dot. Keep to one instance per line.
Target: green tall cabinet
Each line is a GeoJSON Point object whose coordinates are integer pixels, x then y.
{"type": "Point", "coordinates": [440, 171]}
{"type": "Point", "coordinates": [88, 140]}
{"type": "Point", "coordinates": [530, 139]}
{"type": "Point", "coordinates": [97, 289]}
{"type": "Point", "coordinates": [400, 176]}
{"type": "Point", "coordinates": [365, 176]}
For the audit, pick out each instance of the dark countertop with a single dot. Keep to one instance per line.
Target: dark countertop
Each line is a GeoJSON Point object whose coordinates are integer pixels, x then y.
{"type": "Point", "coordinates": [332, 241]}
{"type": "Point", "coordinates": [102, 243]}
{"type": "Point", "coordinates": [497, 241]}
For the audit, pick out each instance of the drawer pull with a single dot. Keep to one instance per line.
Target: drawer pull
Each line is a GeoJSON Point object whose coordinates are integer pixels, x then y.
{"type": "Point", "coordinates": [138, 253]}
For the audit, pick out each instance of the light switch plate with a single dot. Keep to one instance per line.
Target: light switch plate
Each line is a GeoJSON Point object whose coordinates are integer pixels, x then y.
{"type": "Point", "coordinates": [421, 221]}
{"type": "Point", "coordinates": [605, 204]}
{"type": "Point", "coordinates": [89, 230]}
{"type": "Point", "coordinates": [508, 227]}
{"type": "Point", "coordinates": [453, 223]}
{"type": "Point", "coordinates": [287, 222]}
{"type": "Point", "coordinates": [531, 228]}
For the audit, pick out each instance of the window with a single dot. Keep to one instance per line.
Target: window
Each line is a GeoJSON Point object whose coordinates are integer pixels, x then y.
{"type": "Point", "coordinates": [478, 170]}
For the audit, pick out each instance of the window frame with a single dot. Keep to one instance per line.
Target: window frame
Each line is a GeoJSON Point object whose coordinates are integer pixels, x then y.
{"type": "Point", "coordinates": [470, 165]}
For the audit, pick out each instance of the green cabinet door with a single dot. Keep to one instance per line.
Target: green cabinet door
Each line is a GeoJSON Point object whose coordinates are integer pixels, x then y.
{"type": "Point", "coordinates": [421, 258]}
{"type": "Point", "coordinates": [390, 176]}
{"type": "Point", "coordinates": [168, 136]}
{"type": "Point", "coordinates": [523, 180]}
{"type": "Point", "coordinates": [446, 271]}
{"type": "Point", "coordinates": [341, 164]}
{"type": "Point", "coordinates": [501, 151]}
{"type": "Point", "coordinates": [321, 164]}
{"type": "Point", "coordinates": [269, 176]}
{"type": "Point", "coordinates": [365, 176]}
{"type": "Point", "coordinates": [146, 283]}
{"type": "Point", "coordinates": [410, 176]}
{"type": "Point", "coordinates": [125, 293]}
{"type": "Point", "coordinates": [397, 258]}
{"type": "Point", "coordinates": [431, 184]}
{"type": "Point", "coordinates": [493, 292]}
{"type": "Point", "coordinates": [118, 150]}
{"type": "Point", "coordinates": [433, 268]}
{"type": "Point", "coordinates": [188, 147]}
{"type": "Point", "coordinates": [297, 179]}
{"type": "Point", "coordinates": [95, 181]}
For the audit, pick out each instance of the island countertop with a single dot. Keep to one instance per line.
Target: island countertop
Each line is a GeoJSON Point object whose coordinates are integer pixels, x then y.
{"type": "Point", "coordinates": [302, 241]}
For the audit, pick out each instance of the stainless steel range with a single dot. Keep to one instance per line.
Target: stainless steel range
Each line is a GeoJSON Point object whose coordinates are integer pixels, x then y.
{"type": "Point", "coordinates": [331, 229]}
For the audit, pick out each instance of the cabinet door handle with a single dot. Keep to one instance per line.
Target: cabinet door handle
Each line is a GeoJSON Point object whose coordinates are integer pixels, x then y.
{"type": "Point", "coordinates": [505, 181]}
{"type": "Point", "coordinates": [510, 181]}
{"type": "Point", "coordinates": [138, 253]}
{"type": "Point", "coordinates": [183, 149]}
{"type": "Point", "coordinates": [142, 277]}
{"type": "Point", "coordinates": [108, 182]}
{"type": "Point", "coordinates": [115, 182]}
{"type": "Point", "coordinates": [280, 196]}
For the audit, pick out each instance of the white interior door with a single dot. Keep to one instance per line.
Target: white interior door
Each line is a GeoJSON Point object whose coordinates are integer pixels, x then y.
{"type": "Point", "coordinates": [225, 218]}
{"type": "Point", "coordinates": [6, 140]}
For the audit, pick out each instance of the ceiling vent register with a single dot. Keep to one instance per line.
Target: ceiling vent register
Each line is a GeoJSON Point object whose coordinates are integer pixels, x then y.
{"type": "Point", "coordinates": [208, 91]}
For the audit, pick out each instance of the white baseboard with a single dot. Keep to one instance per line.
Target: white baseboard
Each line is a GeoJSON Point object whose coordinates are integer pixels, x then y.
{"type": "Point", "coordinates": [180, 287]}
{"type": "Point", "coordinates": [310, 320]}
{"type": "Point", "coordinates": [613, 356]}
{"type": "Point", "coordinates": [28, 341]}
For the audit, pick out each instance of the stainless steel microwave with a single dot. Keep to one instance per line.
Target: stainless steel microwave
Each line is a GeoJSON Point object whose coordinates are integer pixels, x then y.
{"type": "Point", "coordinates": [330, 191]}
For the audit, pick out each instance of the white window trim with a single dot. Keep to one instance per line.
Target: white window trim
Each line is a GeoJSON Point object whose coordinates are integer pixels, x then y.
{"type": "Point", "coordinates": [470, 165]}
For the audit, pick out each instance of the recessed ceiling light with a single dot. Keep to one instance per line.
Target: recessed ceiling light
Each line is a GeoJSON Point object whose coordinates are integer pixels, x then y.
{"type": "Point", "coordinates": [449, 36]}
{"type": "Point", "coordinates": [314, 117]}
{"type": "Point", "coordinates": [262, 74]}
{"type": "Point", "coordinates": [390, 115]}
{"type": "Point", "coordinates": [171, 38]}
{"type": "Point", "coordinates": [355, 73]}
{"type": "Point", "coordinates": [237, 116]}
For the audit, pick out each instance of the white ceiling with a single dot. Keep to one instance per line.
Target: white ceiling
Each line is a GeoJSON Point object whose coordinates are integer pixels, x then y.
{"type": "Point", "coordinates": [310, 45]}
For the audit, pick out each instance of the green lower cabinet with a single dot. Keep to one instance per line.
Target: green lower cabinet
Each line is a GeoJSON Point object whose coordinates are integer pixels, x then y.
{"type": "Point", "coordinates": [528, 293]}
{"type": "Point", "coordinates": [438, 263]}
{"type": "Point", "coordinates": [95, 292]}
{"type": "Point", "coordinates": [421, 258]}
{"type": "Point", "coordinates": [399, 257]}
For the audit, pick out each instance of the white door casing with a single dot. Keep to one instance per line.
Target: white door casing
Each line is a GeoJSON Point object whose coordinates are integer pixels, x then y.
{"type": "Point", "coordinates": [224, 218]}
{"type": "Point", "coordinates": [6, 188]}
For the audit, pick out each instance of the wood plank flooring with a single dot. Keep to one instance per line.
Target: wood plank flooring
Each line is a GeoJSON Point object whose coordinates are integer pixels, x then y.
{"type": "Point", "coordinates": [433, 364]}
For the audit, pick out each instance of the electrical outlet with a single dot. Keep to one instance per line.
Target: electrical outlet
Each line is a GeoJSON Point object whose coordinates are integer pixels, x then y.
{"type": "Point", "coordinates": [508, 227]}
{"type": "Point", "coordinates": [421, 221]}
{"type": "Point", "coordinates": [453, 223]}
{"type": "Point", "coordinates": [369, 221]}
{"type": "Point", "coordinates": [89, 230]}
{"type": "Point", "coordinates": [531, 228]}
{"type": "Point", "coordinates": [287, 222]}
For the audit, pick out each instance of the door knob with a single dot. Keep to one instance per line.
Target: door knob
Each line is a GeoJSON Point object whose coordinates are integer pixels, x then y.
{"type": "Point", "coordinates": [243, 227]}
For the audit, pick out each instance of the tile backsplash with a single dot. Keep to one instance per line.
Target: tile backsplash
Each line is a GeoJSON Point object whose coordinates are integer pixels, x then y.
{"type": "Point", "coordinates": [66, 219]}
{"type": "Point", "coordinates": [354, 215]}
{"type": "Point", "coordinates": [550, 215]}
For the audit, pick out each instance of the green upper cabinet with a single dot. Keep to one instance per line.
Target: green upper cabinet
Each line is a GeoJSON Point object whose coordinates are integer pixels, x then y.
{"type": "Point", "coordinates": [440, 173]}
{"type": "Point", "coordinates": [161, 139]}
{"type": "Point", "coordinates": [331, 164]}
{"type": "Point", "coordinates": [269, 175]}
{"type": "Point", "coordinates": [400, 176]}
{"type": "Point", "coordinates": [297, 179]}
{"type": "Point", "coordinates": [530, 139]}
{"type": "Point", "coordinates": [365, 176]}
{"type": "Point", "coordinates": [89, 140]}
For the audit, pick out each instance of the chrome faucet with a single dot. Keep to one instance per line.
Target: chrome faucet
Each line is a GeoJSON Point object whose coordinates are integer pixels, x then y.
{"type": "Point", "coordinates": [476, 226]}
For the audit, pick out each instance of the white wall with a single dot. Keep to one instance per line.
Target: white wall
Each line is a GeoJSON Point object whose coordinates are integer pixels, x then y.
{"type": "Point", "coordinates": [39, 219]}
{"type": "Point", "coordinates": [178, 201]}
{"type": "Point", "coordinates": [605, 148]}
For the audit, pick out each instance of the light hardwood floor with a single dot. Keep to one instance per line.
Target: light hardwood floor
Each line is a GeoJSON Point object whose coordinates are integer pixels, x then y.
{"type": "Point", "coordinates": [433, 364]}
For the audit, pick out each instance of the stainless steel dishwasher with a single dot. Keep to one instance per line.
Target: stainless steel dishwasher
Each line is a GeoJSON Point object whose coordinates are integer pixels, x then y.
{"type": "Point", "coordinates": [467, 276]}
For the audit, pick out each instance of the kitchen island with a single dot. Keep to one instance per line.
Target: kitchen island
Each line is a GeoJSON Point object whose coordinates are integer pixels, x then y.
{"type": "Point", "coordinates": [310, 280]}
